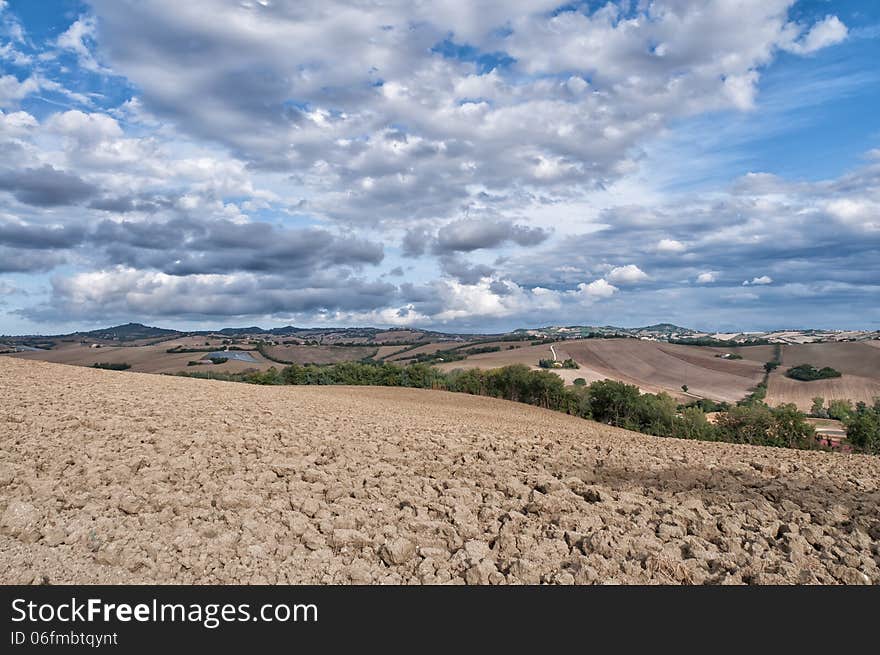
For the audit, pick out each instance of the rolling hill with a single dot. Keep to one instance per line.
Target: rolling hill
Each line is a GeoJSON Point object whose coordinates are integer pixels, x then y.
{"type": "Point", "coordinates": [120, 477]}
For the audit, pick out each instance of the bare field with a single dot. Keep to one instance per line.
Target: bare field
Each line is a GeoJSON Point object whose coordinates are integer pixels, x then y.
{"type": "Point", "coordinates": [113, 477]}
{"type": "Point", "coordinates": [427, 349]}
{"type": "Point", "coordinates": [387, 351]}
{"type": "Point", "coordinates": [144, 359]}
{"type": "Point", "coordinates": [849, 387]}
{"type": "Point", "coordinates": [321, 354]}
{"type": "Point", "coordinates": [652, 366]}
{"type": "Point", "coordinates": [860, 358]}
{"type": "Point", "coordinates": [859, 362]}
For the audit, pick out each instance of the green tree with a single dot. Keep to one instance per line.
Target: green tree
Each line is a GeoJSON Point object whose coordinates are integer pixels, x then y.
{"type": "Point", "coordinates": [840, 409]}
{"type": "Point", "coordinates": [791, 428]}
{"type": "Point", "coordinates": [818, 407]}
{"type": "Point", "coordinates": [745, 424]}
{"type": "Point", "coordinates": [863, 428]}
{"type": "Point", "coordinates": [693, 424]}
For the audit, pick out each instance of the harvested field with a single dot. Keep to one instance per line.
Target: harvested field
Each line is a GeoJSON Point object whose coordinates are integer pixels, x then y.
{"type": "Point", "coordinates": [321, 354]}
{"type": "Point", "coordinates": [652, 366]}
{"type": "Point", "coordinates": [122, 477]}
{"type": "Point", "coordinates": [144, 359]}
{"type": "Point", "coordinates": [386, 351]}
{"type": "Point", "coordinates": [859, 358]}
{"type": "Point", "coordinates": [427, 349]}
{"type": "Point", "coordinates": [849, 387]}
{"type": "Point", "coordinates": [858, 361]}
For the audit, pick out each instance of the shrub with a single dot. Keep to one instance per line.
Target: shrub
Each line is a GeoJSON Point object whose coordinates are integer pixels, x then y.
{"type": "Point", "coordinates": [808, 373]}
{"type": "Point", "coordinates": [817, 409]}
{"type": "Point", "coordinates": [840, 410]}
{"type": "Point", "coordinates": [692, 424]}
{"type": "Point", "coordinates": [580, 382]}
{"type": "Point", "coordinates": [111, 366]}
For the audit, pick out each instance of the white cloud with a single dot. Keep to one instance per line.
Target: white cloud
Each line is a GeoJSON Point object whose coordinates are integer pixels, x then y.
{"type": "Point", "coordinates": [707, 278]}
{"type": "Point", "coordinates": [670, 245]}
{"type": "Point", "coordinates": [629, 274]}
{"type": "Point", "coordinates": [12, 90]}
{"type": "Point", "coordinates": [827, 32]}
{"type": "Point", "coordinates": [764, 279]}
{"type": "Point", "coordinates": [596, 289]}
{"type": "Point", "coordinates": [467, 136]}
{"type": "Point", "coordinates": [76, 39]}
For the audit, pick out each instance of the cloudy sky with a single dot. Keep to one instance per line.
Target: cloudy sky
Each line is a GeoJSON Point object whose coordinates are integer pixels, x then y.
{"type": "Point", "coordinates": [478, 165]}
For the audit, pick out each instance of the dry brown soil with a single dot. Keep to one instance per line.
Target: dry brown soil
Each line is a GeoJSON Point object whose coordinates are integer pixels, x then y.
{"type": "Point", "coordinates": [321, 354]}
{"type": "Point", "coordinates": [127, 477]}
{"type": "Point", "coordinates": [650, 365]}
{"type": "Point", "coordinates": [145, 359]}
{"type": "Point", "coordinates": [858, 361]}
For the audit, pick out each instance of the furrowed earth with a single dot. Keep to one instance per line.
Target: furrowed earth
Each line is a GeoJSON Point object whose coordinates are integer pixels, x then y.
{"type": "Point", "coordinates": [122, 477]}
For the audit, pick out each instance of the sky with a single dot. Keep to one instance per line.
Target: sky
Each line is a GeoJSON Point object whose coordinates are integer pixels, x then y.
{"type": "Point", "coordinates": [462, 166]}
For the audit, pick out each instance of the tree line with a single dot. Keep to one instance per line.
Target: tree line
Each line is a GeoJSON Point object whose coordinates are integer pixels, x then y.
{"type": "Point", "coordinates": [606, 401]}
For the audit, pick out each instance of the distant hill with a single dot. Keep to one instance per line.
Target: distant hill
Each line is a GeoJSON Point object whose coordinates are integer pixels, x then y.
{"type": "Point", "coordinates": [383, 336]}
{"type": "Point", "coordinates": [128, 332]}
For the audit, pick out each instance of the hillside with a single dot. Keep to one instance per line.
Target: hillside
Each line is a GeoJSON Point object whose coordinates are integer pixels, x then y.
{"type": "Point", "coordinates": [125, 477]}
{"type": "Point", "coordinates": [128, 332]}
{"type": "Point", "coordinates": [859, 362]}
{"type": "Point", "coordinates": [653, 366]}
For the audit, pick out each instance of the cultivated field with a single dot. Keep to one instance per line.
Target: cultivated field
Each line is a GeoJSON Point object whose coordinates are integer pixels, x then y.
{"type": "Point", "coordinates": [651, 365]}
{"type": "Point", "coordinates": [320, 354]}
{"type": "Point", "coordinates": [426, 349]}
{"type": "Point", "coordinates": [858, 361]}
{"type": "Point", "coordinates": [123, 477]}
{"type": "Point", "coordinates": [145, 359]}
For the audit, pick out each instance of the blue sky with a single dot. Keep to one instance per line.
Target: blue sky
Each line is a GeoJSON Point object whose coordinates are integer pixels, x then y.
{"type": "Point", "coordinates": [478, 166]}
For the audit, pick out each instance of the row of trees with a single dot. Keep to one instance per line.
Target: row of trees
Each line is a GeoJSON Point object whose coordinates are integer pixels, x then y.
{"type": "Point", "coordinates": [552, 363]}
{"type": "Point", "coordinates": [607, 401]}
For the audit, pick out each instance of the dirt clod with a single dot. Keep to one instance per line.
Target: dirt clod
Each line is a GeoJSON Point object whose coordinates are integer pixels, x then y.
{"type": "Point", "coordinates": [124, 477]}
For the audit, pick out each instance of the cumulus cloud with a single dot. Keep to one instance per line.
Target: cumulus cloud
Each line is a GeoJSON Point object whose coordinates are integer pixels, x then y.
{"type": "Point", "coordinates": [629, 274]}
{"type": "Point", "coordinates": [414, 242]}
{"type": "Point", "coordinates": [462, 271]}
{"type": "Point", "coordinates": [827, 32]}
{"type": "Point", "coordinates": [271, 149]}
{"type": "Point", "coordinates": [77, 38]}
{"type": "Point", "coordinates": [596, 289]}
{"type": "Point", "coordinates": [670, 245]}
{"type": "Point", "coordinates": [45, 186]}
{"type": "Point", "coordinates": [601, 80]}
{"type": "Point", "coordinates": [764, 279]}
{"type": "Point", "coordinates": [468, 235]}
{"type": "Point", "coordinates": [123, 291]}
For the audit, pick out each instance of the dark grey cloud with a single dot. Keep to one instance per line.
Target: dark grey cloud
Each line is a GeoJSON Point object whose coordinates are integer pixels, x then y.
{"type": "Point", "coordinates": [13, 260]}
{"type": "Point", "coordinates": [186, 246]}
{"type": "Point", "coordinates": [467, 235]}
{"type": "Point", "coordinates": [415, 241]}
{"type": "Point", "coordinates": [147, 203]}
{"type": "Point", "coordinates": [46, 186]}
{"type": "Point", "coordinates": [124, 292]}
{"type": "Point", "coordinates": [40, 237]}
{"type": "Point", "coordinates": [456, 267]}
